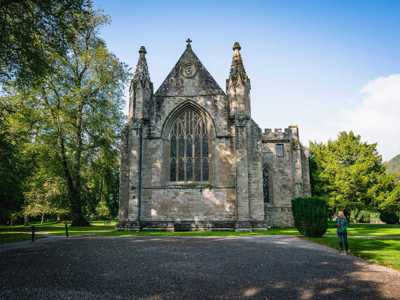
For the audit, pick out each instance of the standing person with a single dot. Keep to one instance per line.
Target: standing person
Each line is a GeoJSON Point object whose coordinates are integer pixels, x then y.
{"type": "Point", "coordinates": [341, 225]}
{"type": "Point", "coordinates": [347, 213]}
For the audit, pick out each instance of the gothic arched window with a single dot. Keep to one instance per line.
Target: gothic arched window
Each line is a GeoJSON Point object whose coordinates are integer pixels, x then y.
{"type": "Point", "coordinates": [189, 144]}
{"type": "Point", "coordinates": [266, 190]}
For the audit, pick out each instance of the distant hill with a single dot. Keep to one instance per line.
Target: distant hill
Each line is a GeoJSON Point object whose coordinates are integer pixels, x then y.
{"type": "Point", "coordinates": [393, 165]}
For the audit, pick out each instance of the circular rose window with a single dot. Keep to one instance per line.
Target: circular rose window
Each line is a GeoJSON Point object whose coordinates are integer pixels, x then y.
{"type": "Point", "coordinates": [189, 70]}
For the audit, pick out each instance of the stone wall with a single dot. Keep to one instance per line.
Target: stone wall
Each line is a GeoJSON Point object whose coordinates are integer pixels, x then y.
{"type": "Point", "coordinates": [289, 174]}
{"type": "Point", "coordinates": [166, 202]}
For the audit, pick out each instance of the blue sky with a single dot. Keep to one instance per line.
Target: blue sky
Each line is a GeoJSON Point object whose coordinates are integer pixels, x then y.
{"type": "Point", "coordinates": [323, 65]}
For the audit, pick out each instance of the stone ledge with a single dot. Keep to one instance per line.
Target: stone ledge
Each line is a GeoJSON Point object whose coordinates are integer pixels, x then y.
{"type": "Point", "coordinates": [190, 225]}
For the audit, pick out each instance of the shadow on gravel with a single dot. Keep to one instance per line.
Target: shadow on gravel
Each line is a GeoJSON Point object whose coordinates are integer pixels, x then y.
{"type": "Point", "coordinates": [191, 268]}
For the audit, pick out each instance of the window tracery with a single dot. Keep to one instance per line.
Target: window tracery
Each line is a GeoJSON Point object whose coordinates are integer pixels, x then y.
{"type": "Point", "coordinates": [189, 148]}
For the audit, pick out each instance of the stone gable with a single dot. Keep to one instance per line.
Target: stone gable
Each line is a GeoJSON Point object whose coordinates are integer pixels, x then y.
{"type": "Point", "coordinates": [189, 78]}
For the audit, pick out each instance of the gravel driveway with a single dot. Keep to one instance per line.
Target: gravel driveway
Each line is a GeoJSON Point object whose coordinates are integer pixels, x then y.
{"type": "Point", "coordinates": [274, 267]}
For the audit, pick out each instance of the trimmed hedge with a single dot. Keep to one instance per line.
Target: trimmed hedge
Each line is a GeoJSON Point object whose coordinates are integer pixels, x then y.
{"type": "Point", "coordinates": [310, 216]}
{"type": "Point", "coordinates": [389, 217]}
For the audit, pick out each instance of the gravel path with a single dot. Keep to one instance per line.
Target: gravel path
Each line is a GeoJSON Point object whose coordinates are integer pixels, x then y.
{"type": "Point", "coordinates": [275, 267]}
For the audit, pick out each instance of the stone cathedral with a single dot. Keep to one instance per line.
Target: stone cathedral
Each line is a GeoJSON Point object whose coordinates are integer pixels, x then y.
{"type": "Point", "coordinates": [192, 158]}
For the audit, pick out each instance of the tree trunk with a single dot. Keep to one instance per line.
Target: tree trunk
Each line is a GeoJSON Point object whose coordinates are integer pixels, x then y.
{"type": "Point", "coordinates": [78, 219]}
{"type": "Point", "coordinates": [42, 219]}
{"type": "Point", "coordinates": [74, 190]}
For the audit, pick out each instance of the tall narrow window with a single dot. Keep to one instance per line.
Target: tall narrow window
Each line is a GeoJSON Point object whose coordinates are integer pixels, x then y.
{"type": "Point", "coordinates": [279, 148]}
{"type": "Point", "coordinates": [266, 190]}
{"type": "Point", "coordinates": [189, 144]}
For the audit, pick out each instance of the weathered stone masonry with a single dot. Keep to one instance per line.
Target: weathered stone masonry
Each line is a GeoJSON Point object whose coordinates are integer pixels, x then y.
{"type": "Point", "coordinates": [193, 158]}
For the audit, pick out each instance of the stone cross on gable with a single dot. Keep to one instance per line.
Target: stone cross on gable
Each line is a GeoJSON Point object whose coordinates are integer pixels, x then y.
{"type": "Point", "coordinates": [188, 41]}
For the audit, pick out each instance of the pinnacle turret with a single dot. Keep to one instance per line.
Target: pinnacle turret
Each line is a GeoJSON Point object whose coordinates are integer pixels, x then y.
{"type": "Point", "coordinates": [141, 89]}
{"type": "Point", "coordinates": [142, 71]}
{"type": "Point", "coordinates": [237, 68]}
{"type": "Point", "coordinates": [238, 86]}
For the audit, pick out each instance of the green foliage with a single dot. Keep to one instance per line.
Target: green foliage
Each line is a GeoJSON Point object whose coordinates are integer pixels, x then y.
{"type": "Point", "coordinates": [389, 217]}
{"type": "Point", "coordinates": [32, 30]}
{"type": "Point", "coordinates": [310, 216]}
{"type": "Point", "coordinates": [15, 163]}
{"type": "Point", "coordinates": [393, 166]}
{"type": "Point", "coordinates": [11, 197]}
{"type": "Point", "coordinates": [350, 173]}
{"type": "Point", "coordinates": [64, 130]}
{"type": "Point", "coordinates": [102, 210]}
{"type": "Point", "coordinates": [45, 195]}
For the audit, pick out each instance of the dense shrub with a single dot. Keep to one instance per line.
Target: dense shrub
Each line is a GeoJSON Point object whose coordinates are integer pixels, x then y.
{"type": "Point", "coordinates": [389, 217]}
{"type": "Point", "coordinates": [310, 216]}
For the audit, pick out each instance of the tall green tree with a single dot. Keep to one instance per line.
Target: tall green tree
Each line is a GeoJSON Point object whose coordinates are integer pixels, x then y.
{"type": "Point", "coordinates": [15, 159]}
{"type": "Point", "coordinates": [30, 30]}
{"type": "Point", "coordinates": [78, 111]}
{"type": "Point", "coordinates": [349, 172]}
{"type": "Point", "coordinates": [103, 181]}
{"type": "Point", "coordinates": [12, 175]}
{"type": "Point", "coordinates": [44, 196]}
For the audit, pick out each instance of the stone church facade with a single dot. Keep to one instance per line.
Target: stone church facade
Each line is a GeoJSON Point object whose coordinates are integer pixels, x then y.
{"type": "Point", "coordinates": [193, 158]}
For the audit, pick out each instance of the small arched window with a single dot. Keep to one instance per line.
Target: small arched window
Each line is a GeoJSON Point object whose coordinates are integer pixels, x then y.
{"type": "Point", "coordinates": [189, 147]}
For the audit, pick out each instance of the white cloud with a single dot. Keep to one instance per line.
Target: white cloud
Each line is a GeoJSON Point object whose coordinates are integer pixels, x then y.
{"type": "Point", "coordinates": [375, 116]}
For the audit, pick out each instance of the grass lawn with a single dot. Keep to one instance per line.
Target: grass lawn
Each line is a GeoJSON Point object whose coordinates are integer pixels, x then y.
{"type": "Point", "coordinates": [21, 232]}
{"type": "Point", "coordinates": [97, 228]}
{"type": "Point", "coordinates": [377, 243]}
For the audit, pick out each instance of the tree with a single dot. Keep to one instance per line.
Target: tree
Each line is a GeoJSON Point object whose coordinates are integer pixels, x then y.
{"type": "Point", "coordinates": [103, 181]}
{"type": "Point", "coordinates": [15, 165]}
{"type": "Point", "coordinates": [45, 190]}
{"type": "Point", "coordinates": [349, 172]}
{"type": "Point", "coordinates": [31, 30]}
{"type": "Point", "coordinates": [102, 210]}
{"type": "Point", "coordinates": [78, 111]}
{"type": "Point", "coordinates": [391, 201]}
{"type": "Point", "coordinates": [11, 174]}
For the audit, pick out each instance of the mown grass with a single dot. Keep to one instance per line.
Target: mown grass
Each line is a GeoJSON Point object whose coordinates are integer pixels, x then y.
{"type": "Point", "coordinates": [21, 232]}
{"type": "Point", "coordinates": [378, 243]}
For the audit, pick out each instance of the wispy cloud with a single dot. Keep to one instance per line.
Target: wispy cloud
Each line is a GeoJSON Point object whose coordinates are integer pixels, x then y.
{"type": "Point", "coordinates": [375, 116]}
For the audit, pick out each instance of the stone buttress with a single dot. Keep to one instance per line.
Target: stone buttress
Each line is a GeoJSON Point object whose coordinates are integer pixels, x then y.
{"type": "Point", "coordinates": [249, 203]}
{"type": "Point", "coordinates": [140, 97]}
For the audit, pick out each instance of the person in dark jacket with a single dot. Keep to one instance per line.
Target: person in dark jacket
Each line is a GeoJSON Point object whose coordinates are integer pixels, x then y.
{"type": "Point", "coordinates": [341, 225]}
